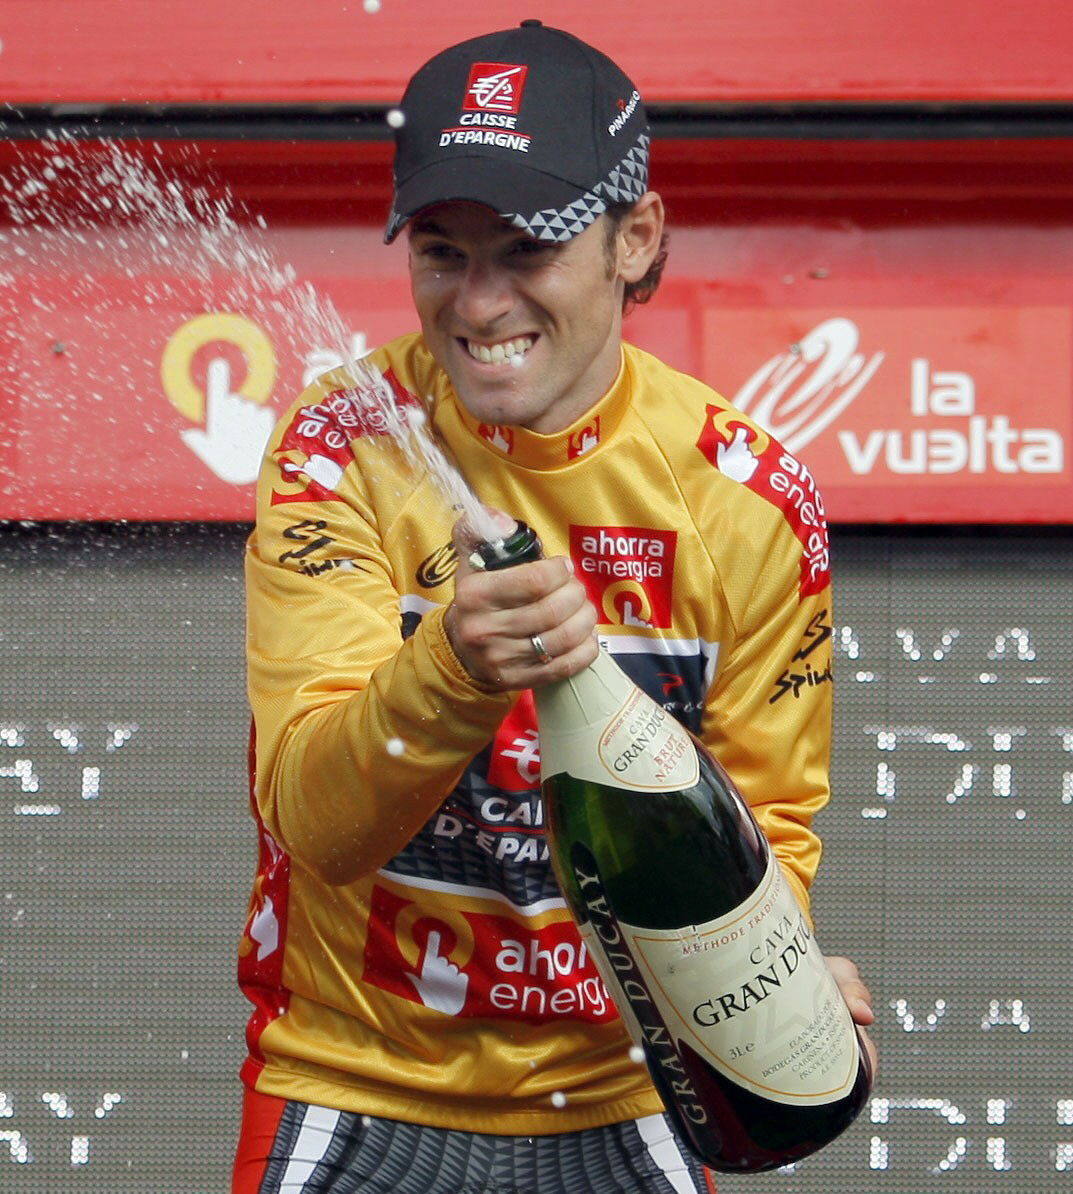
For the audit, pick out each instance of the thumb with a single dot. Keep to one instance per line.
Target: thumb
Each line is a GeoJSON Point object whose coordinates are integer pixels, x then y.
{"type": "Point", "coordinates": [197, 441]}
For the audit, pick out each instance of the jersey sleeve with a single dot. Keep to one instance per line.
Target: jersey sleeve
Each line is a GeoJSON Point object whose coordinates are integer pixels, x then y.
{"type": "Point", "coordinates": [768, 713]}
{"type": "Point", "coordinates": [360, 734]}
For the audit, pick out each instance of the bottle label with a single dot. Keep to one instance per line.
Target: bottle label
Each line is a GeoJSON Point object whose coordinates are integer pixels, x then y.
{"type": "Point", "coordinates": [616, 735]}
{"type": "Point", "coordinates": [751, 993]}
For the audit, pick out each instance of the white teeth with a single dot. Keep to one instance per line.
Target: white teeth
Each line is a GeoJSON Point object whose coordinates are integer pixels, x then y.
{"type": "Point", "coordinates": [507, 350]}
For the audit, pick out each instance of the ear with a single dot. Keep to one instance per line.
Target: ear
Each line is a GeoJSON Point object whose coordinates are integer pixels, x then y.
{"type": "Point", "coordinates": [638, 237]}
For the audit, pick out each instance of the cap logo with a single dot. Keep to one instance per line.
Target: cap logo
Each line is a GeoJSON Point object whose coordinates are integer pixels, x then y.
{"type": "Point", "coordinates": [494, 87]}
{"type": "Point", "coordinates": [625, 111]}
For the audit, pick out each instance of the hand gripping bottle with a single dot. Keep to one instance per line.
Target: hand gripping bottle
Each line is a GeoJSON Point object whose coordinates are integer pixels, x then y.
{"type": "Point", "coordinates": [701, 941]}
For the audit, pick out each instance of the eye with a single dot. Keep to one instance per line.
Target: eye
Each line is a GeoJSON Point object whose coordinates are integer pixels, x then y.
{"type": "Point", "coordinates": [529, 249]}
{"type": "Point", "coordinates": [440, 253]}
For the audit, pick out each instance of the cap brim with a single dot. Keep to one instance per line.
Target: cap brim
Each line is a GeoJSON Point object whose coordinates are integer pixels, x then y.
{"type": "Point", "coordinates": [510, 188]}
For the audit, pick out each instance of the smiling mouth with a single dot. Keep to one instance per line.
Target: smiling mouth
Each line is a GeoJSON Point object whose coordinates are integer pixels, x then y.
{"type": "Point", "coordinates": [498, 353]}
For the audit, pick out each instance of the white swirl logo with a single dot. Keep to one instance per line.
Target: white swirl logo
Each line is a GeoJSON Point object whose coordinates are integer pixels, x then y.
{"type": "Point", "coordinates": [798, 393]}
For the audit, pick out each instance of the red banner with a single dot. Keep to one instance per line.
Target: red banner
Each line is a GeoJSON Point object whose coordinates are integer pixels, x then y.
{"type": "Point", "coordinates": [362, 51]}
{"type": "Point", "coordinates": [902, 413]}
{"type": "Point", "coordinates": [920, 365]}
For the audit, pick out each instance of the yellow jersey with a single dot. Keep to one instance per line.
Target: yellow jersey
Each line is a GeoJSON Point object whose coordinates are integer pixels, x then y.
{"type": "Point", "coordinates": [407, 950]}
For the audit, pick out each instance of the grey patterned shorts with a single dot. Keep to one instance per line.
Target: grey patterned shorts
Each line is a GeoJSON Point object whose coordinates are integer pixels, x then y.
{"type": "Point", "coordinates": [316, 1150]}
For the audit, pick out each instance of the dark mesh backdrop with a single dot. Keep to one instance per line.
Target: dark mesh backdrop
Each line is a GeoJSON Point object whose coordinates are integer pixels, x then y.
{"type": "Point", "coordinates": [127, 854]}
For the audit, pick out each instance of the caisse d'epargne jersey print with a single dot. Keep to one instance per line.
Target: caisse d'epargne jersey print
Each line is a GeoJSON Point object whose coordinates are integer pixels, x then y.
{"type": "Point", "coordinates": [407, 951]}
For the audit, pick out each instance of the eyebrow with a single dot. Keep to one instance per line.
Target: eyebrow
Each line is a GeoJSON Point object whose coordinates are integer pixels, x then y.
{"type": "Point", "coordinates": [428, 226]}
{"type": "Point", "coordinates": [423, 224]}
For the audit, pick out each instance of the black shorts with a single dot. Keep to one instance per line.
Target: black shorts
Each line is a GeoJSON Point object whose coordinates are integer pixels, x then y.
{"type": "Point", "coordinates": [288, 1147]}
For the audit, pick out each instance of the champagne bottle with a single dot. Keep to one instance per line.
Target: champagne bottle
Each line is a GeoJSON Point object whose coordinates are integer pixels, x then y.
{"type": "Point", "coordinates": [701, 941]}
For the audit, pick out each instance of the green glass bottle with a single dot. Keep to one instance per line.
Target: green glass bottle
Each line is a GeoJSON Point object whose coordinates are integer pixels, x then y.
{"type": "Point", "coordinates": [698, 936]}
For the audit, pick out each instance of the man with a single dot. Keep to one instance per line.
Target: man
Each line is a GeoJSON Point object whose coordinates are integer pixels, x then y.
{"type": "Point", "coordinates": [426, 1018]}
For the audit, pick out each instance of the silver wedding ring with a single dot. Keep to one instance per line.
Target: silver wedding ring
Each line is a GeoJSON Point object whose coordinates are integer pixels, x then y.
{"type": "Point", "coordinates": [541, 651]}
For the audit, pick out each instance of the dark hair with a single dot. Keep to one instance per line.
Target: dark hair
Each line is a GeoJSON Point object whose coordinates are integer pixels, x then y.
{"type": "Point", "coordinates": [644, 288]}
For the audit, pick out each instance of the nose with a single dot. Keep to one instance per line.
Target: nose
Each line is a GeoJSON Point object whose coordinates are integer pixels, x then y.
{"type": "Point", "coordinates": [484, 295]}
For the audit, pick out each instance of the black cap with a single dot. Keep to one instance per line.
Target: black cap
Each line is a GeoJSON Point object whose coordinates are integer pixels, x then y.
{"type": "Point", "coordinates": [532, 122]}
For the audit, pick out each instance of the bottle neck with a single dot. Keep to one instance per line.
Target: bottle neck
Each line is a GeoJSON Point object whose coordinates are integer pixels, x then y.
{"type": "Point", "coordinates": [599, 726]}
{"type": "Point", "coordinates": [521, 546]}
{"type": "Point", "coordinates": [588, 698]}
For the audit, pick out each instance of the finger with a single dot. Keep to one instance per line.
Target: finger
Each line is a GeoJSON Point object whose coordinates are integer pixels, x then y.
{"type": "Point", "coordinates": [844, 970]}
{"type": "Point", "coordinates": [217, 378]}
{"type": "Point", "coordinates": [870, 1050]}
{"type": "Point", "coordinates": [562, 618]}
{"type": "Point", "coordinates": [573, 623]}
{"type": "Point", "coordinates": [854, 991]}
{"type": "Point", "coordinates": [523, 585]}
{"type": "Point", "coordinates": [432, 945]}
{"type": "Point", "coordinates": [561, 666]}
{"type": "Point", "coordinates": [517, 657]}
{"type": "Point", "coordinates": [859, 1001]}
{"type": "Point", "coordinates": [860, 1008]}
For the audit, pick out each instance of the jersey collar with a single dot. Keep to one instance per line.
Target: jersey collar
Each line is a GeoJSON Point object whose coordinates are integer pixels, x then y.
{"type": "Point", "coordinates": [530, 449]}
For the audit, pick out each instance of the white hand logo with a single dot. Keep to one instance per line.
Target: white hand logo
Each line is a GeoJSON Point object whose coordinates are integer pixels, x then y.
{"type": "Point", "coordinates": [264, 929]}
{"type": "Point", "coordinates": [320, 469]}
{"type": "Point", "coordinates": [441, 985]}
{"type": "Point", "coordinates": [236, 429]}
{"type": "Point", "coordinates": [629, 618]}
{"type": "Point", "coordinates": [734, 460]}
